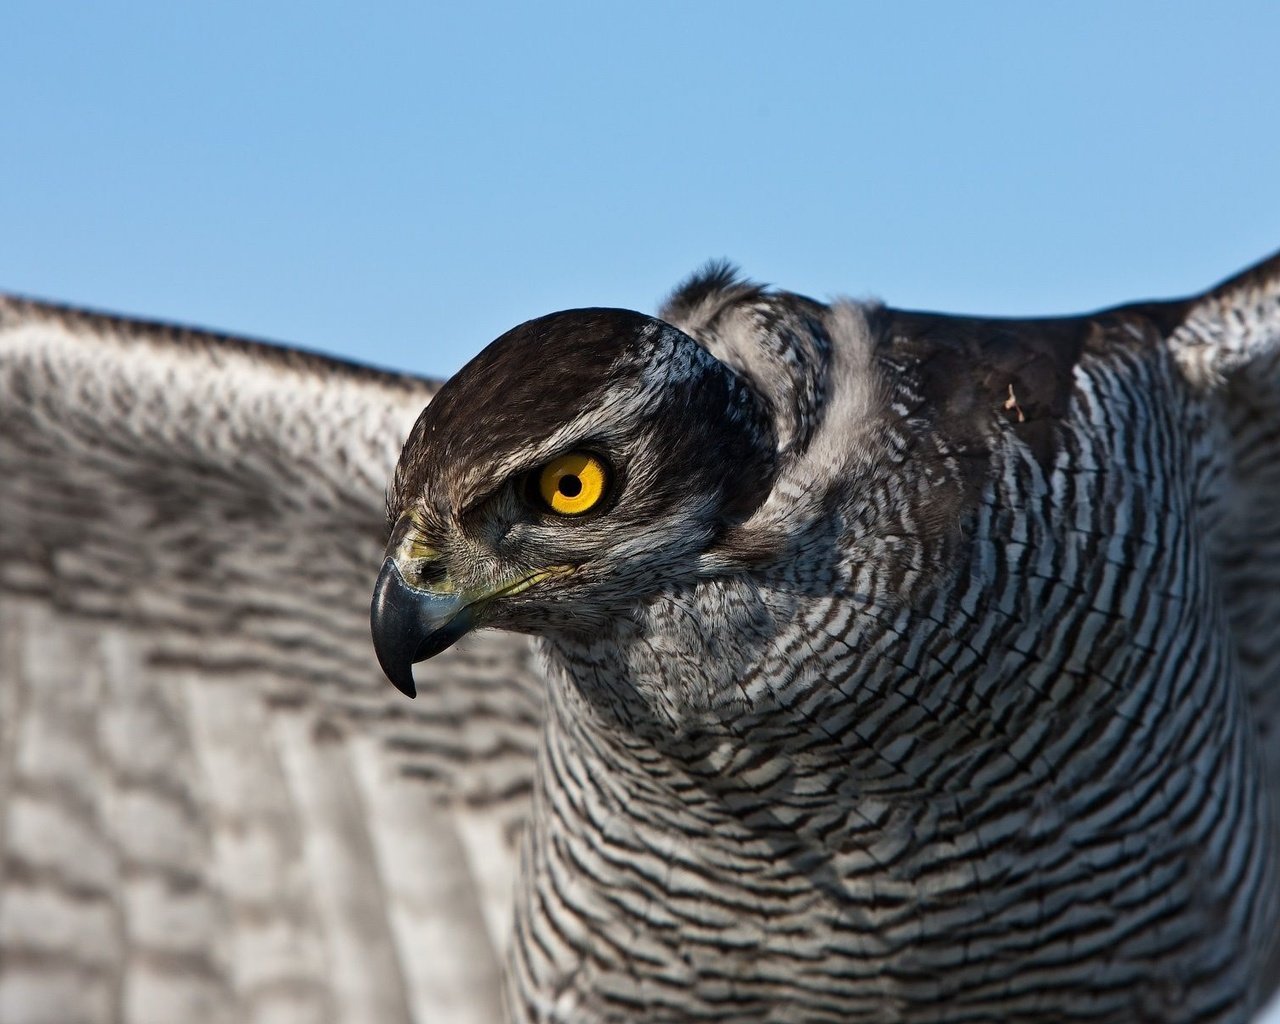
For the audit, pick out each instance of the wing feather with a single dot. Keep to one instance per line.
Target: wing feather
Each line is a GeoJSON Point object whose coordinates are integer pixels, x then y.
{"type": "Point", "coordinates": [212, 807]}
{"type": "Point", "coordinates": [1229, 342]}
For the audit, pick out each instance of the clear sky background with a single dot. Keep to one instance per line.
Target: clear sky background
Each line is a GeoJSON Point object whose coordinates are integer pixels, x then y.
{"type": "Point", "coordinates": [400, 184]}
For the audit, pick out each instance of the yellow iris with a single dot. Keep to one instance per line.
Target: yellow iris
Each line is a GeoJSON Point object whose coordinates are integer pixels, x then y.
{"type": "Point", "coordinates": [573, 483]}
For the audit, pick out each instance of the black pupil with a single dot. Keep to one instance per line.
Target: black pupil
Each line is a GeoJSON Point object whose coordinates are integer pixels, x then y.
{"type": "Point", "coordinates": [570, 486]}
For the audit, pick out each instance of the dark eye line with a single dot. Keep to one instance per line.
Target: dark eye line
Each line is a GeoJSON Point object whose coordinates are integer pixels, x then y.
{"type": "Point", "coordinates": [520, 479]}
{"type": "Point", "coordinates": [479, 501]}
{"type": "Point", "coordinates": [525, 482]}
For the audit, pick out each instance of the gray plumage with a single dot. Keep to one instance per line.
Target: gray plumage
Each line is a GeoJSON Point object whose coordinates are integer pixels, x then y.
{"type": "Point", "coordinates": [209, 799]}
{"type": "Point", "coordinates": [899, 675]}
{"type": "Point", "coordinates": [912, 668]}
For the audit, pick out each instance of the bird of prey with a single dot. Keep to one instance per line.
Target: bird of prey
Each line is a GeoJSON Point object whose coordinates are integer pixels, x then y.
{"type": "Point", "coordinates": [824, 662]}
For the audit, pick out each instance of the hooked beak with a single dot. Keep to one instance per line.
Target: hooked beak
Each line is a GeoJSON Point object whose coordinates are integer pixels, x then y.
{"type": "Point", "coordinates": [411, 624]}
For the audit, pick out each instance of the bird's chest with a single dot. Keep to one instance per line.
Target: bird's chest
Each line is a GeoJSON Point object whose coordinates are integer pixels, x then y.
{"type": "Point", "coordinates": [664, 890]}
{"type": "Point", "coordinates": [899, 818]}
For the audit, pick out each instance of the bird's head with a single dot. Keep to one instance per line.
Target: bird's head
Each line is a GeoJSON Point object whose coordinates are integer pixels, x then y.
{"type": "Point", "coordinates": [581, 463]}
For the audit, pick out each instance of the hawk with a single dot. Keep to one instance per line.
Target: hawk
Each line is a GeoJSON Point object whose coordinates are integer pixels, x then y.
{"type": "Point", "coordinates": [838, 663]}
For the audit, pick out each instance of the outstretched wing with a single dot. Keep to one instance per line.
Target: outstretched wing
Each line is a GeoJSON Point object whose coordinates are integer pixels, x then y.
{"type": "Point", "coordinates": [1228, 341]}
{"type": "Point", "coordinates": [212, 806]}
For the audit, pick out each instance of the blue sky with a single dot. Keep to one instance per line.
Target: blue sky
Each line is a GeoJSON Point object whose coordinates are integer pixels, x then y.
{"type": "Point", "coordinates": [400, 184]}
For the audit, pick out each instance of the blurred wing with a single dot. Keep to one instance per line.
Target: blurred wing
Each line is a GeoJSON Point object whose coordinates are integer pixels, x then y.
{"type": "Point", "coordinates": [212, 805]}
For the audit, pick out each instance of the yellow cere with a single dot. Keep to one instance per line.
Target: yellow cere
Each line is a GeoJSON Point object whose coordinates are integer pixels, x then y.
{"type": "Point", "coordinates": [573, 483]}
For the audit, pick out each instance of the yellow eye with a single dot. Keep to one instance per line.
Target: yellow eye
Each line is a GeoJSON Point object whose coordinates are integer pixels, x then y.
{"type": "Point", "coordinates": [573, 483]}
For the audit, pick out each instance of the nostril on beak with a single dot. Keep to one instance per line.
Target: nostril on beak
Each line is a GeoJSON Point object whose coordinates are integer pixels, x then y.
{"type": "Point", "coordinates": [429, 573]}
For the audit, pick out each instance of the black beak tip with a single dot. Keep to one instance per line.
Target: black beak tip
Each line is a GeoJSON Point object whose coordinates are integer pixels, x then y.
{"type": "Point", "coordinates": [401, 677]}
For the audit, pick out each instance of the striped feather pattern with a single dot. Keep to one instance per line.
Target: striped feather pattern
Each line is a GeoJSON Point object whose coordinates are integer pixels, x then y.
{"type": "Point", "coordinates": [212, 807]}
{"type": "Point", "coordinates": [993, 736]}
{"type": "Point", "coordinates": [991, 763]}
